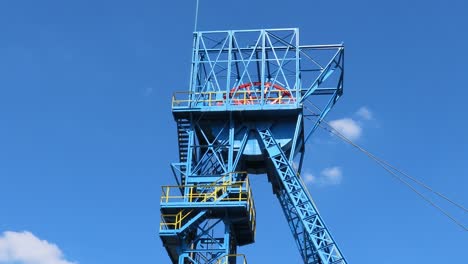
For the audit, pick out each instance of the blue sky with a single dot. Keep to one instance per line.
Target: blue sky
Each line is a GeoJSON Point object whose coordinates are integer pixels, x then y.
{"type": "Point", "coordinates": [86, 131]}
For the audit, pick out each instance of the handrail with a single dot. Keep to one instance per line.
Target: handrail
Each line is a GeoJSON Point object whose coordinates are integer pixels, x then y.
{"type": "Point", "coordinates": [196, 193]}
{"type": "Point", "coordinates": [217, 191]}
{"type": "Point", "coordinates": [238, 97]}
{"type": "Point", "coordinates": [177, 224]}
{"type": "Point", "coordinates": [196, 197]}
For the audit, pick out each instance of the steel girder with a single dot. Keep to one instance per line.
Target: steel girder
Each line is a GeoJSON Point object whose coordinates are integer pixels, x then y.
{"type": "Point", "coordinates": [313, 239]}
{"type": "Point", "coordinates": [209, 243]}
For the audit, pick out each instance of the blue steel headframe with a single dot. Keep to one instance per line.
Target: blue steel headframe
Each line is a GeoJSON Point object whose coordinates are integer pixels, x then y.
{"type": "Point", "coordinates": [225, 127]}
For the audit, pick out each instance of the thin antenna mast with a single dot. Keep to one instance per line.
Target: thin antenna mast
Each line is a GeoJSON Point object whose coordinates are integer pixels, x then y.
{"type": "Point", "coordinates": [196, 17]}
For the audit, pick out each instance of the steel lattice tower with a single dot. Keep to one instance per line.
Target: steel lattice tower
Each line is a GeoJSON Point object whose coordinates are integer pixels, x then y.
{"type": "Point", "coordinates": [245, 113]}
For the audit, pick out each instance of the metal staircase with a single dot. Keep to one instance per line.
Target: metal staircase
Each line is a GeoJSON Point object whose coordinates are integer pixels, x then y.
{"type": "Point", "coordinates": [183, 141]}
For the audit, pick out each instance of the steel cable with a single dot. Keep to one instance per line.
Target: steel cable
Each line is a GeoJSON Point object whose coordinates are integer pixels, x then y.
{"type": "Point", "coordinates": [393, 171]}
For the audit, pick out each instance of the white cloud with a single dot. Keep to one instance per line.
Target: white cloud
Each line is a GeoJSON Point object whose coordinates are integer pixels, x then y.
{"type": "Point", "coordinates": [364, 113]}
{"type": "Point", "coordinates": [332, 175]}
{"type": "Point", "coordinates": [328, 176]}
{"type": "Point", "coordinates": [25, 248]}
{"type": "Point", "coordinates": [347, 127]}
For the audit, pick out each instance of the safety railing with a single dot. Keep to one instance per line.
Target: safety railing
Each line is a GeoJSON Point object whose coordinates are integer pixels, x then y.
{"type": "Point", "coordinates": [207, 192]}
{"type": "Point", "coordinates": [220, 98]}
{"type": "Point", "coordinates": [175, 221]}
{"type": "Point", "coordinates": [222, 190]}
{"type": "Point", "coordinates": [226, 259]}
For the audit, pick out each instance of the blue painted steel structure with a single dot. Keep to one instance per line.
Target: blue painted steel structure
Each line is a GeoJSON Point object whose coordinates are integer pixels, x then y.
{"type": "Point", "coordinates": [244, 114]}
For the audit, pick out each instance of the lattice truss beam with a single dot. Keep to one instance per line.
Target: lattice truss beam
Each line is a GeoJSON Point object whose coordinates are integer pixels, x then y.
{"type": "Point", "coordinates": [312, 237]}
{"type": "Point", "coordinates": [197, 225]}
{"type": "Point", "coordinates": [260, 67]}
{"type": "Point", "coordinates": [206, 154]}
